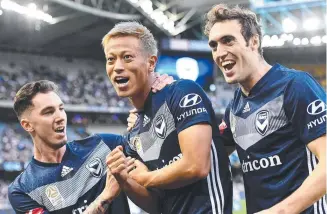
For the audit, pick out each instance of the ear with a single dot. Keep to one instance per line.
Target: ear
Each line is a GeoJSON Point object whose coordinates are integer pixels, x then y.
{"type": "Point", "coordinates": [254, 42]}
{"type": "Point", "coordinates": [152, 63]}
{"type": "Point", "coordinates": [26, 124]}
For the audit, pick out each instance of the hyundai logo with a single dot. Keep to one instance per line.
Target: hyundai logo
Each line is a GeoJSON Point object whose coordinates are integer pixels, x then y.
{"type": "Point", "coordinates": [316, 107]}
{"type": "Point", "coordinates": [190, 100]}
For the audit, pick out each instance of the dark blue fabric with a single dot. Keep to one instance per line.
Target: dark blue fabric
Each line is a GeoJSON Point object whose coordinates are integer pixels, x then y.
{"type": "Point", "coordinates": [38, 174]}
{"type": "Point", "coordinates": [285, 158]}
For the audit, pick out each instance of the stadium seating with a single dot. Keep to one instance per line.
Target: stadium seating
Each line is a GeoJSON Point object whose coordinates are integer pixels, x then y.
{"type": "Point", "coordinates": [81, 82]}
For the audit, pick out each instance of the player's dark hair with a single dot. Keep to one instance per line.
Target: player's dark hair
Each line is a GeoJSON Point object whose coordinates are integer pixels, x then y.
{"type": "Point", "coordinates": [23, 98]}
{"type": "Point", "coordinates": [249, 23]}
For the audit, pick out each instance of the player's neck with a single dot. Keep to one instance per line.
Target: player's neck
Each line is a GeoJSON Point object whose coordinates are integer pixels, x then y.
{"type": "Point", "coordinates": [46, 154]}
{"type": "Point", "coordinates": [256, 74]}
{"type": "Point", "coordinates": [138, 100]}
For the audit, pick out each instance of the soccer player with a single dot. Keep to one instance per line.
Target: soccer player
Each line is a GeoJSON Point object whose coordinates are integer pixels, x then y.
{"type": "Point", "coordinates": [276, 120]}
{"type": "Point", "coordinates": [176, 136]}
{"type": "Point", "coordinates": [64, 177]}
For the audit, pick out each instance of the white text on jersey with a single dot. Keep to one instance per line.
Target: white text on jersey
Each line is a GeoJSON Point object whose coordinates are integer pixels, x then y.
{"type": "Point", "coordinates": [191, 112]}
{"type": "Point", "coordinates": [256, 165]}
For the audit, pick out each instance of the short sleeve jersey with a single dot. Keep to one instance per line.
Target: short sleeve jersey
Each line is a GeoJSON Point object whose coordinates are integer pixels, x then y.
{"type": "Point", "coordinates": [166, 113]}
{"type": "Point", "coordinates": [70, 186]}
{"type": "Point", "coordinates": [271, 129]}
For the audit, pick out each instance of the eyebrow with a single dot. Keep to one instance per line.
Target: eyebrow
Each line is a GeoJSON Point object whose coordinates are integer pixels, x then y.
{"type": "Point", "coordinates": [50, 107]}
{"type": "Point", "coordinates": [213, 43]}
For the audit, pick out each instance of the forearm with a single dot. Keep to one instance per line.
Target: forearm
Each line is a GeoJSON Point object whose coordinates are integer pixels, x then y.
{"type": "Point", "coordinates": [312, 189]}
{"type": "Point", "coordinates": [98, 206]}
{"type": "Point", "coordinates": [175, 175]}
{"type": "Point", "coordinates": [142, 197]}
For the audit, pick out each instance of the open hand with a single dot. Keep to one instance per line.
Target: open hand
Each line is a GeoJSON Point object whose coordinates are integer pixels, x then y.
{"type": "Point", "coordinates": [160, 81]}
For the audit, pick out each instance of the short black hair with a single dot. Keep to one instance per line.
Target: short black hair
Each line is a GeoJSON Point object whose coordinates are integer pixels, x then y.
{"type": "Point", "coordinates": [24, 96]}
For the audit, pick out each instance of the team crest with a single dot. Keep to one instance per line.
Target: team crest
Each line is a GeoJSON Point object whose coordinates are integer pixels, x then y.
{"type": "Point", "coordinates": [160, 126]}
{"type": "Point", "coordinates": [95, 167]}
{"type": "Point", "coordinates": [54, 195]}
{"type": "Point", "coordinates": [262, 122]}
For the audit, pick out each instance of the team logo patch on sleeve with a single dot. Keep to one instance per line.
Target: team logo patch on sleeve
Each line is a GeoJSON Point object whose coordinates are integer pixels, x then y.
{"type": "Point", "coordinates": [262, 122]}
{"type": "Point", "coordinates": [190, 100]}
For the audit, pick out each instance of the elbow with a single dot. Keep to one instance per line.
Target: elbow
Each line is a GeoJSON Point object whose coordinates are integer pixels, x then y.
{"type": "Point", "coordinates": [201, 171]}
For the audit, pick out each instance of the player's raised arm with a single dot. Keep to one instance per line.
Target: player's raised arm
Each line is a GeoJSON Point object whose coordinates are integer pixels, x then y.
{"type": "Point", "coordinates": [102, 202]}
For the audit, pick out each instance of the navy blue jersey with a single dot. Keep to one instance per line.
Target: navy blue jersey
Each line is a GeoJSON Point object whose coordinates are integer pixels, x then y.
{"type": "Point", "coordinates": [166, 113]}
{"type": "Point", "coordinates": [271, 129]}
{"type": "Point", "coordinates": [70, 186]}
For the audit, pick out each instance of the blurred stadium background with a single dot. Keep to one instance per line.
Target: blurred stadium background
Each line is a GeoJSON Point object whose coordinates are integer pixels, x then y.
{"type": "Point", "coordinates": [60, 40]}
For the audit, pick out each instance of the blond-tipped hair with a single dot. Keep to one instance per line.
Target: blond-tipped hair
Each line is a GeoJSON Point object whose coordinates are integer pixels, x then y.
{"type": "Point", "coordinates": [133, 29]}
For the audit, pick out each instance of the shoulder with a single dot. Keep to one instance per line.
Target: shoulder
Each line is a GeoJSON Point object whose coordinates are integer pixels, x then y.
{"type": "Point", "coordinates": [21, 182]}
{"type": "Point", "coordinates": [107, 137]}
{"type": "Point", "coordinates": [184, 84]}
{"type": "Point", "coordinates": [183, 88]}
{"type": "Point", "coordinates": [111, 140]}
{"type": "Point", "coordinates": [290, 75]}
{"type": "Point", "coordinates": [88, 140]}
{"type": "Point", "coordinates": [300, 81]}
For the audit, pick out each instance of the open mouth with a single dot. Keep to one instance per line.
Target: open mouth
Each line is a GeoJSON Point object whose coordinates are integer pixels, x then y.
{"type": "Point", "coordinates": [60, 130]}
{"type": "Point", "coordinates": [121, 81]}
{"type": "Point", "coordinates": [228, 65]}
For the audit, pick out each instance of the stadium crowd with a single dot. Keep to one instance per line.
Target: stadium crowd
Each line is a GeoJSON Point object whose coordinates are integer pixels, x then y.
{"type": "Point", "coordinates": [83, 85]}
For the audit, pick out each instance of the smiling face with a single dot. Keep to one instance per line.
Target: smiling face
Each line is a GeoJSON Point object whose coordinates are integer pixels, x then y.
{"type": "Point", "coordinates": [233, 56]}
{"type": "Point", "coordinates": [128, 66]}
{"type": "Point", "coordinates": [46, 120]}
